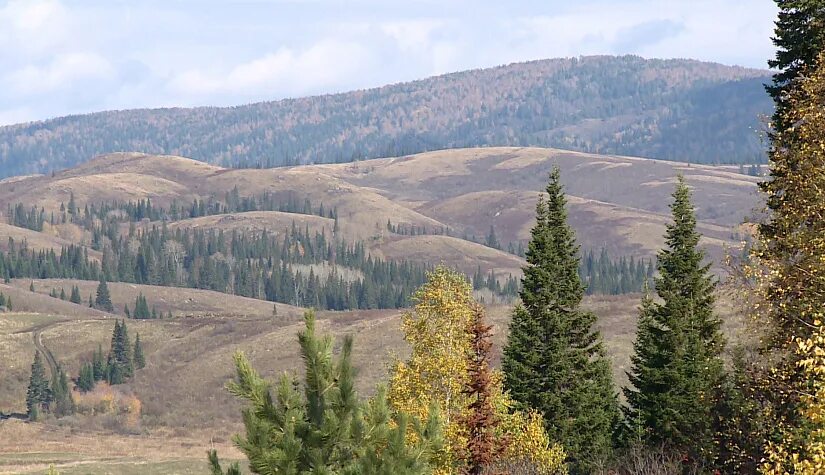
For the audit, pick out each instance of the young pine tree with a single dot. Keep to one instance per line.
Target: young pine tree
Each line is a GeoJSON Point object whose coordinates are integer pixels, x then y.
{"type": "Point", "coordinates": [38, 394]}
{"type": "Point", "coordinates": [677, 370]}
{"type": "Point", "coordinates": [103, 300]}
{"type": "Point", "coordinates": [325, 428]}
{"type": "Point", "coordinates": [554, 360]}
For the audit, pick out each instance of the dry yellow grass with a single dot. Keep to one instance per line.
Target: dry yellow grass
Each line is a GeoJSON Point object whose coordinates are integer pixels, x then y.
{"type": "Point", "coordinates": [182, 302]}
{"type": "Point", "coordinates": [256, 221]}
{"type": "Point", "coordinates": [457, 253]}
{"type": "Point", "coordinates": [616, 201]}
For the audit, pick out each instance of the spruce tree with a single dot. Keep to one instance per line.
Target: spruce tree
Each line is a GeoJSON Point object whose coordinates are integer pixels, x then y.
{"type": "Point", "coordinates": [790, 258]}
{"type": "Point", "coordinates": [482, 421]}
{"type": "Point", "coordinates": [38, 393]}
{"type": "Point", "coordinates": [86, 379]}
{"type": "Point", "coordinates": [119, 363]}
{"type": "Point", "coordinates": [554, 360]}
{"type": "Point", "coordinates": [141, 308]}
{"type": "Point", "coordinates": [326, 428]}
{"type": "Point", "coordinates": [63, 404]}
{"type": "Point", "coordinates": [103, 300]}
{"type": "Point", "coordinates": [75, 296]}
{"type": "Point", "coordinates": [139, 359]}
{"type": "Point", "coordinates": [99, 369]}
{"type": "Point", "coordinates": [677, 369]}
{"type": "Point", "coordinates": [799, 39]}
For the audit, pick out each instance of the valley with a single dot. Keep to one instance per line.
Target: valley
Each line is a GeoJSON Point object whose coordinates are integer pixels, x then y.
{"type": "Point", "coordinates": [424, 209]}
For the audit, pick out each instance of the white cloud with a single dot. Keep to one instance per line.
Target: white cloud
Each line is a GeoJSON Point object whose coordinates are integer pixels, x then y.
{"type": "Point", "coordinates": [62, 73]}
{"type": "Point", "coordinates": [34, 26]}
{"type": "Point", "coordinates": [326, 64]}
{"type": "Point", "coordinates": [412, 35]}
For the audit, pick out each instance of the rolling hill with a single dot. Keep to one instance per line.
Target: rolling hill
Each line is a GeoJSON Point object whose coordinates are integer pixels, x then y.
{"type": "Point", "coordinates": [617, 203]}
{"type": "Point", "coordinates": [680, 110]}
{"type": "Point", "coordinates": [423, 208]}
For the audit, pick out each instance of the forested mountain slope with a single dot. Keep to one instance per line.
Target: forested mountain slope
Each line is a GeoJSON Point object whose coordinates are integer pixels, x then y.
{"type": "Point", "coordinates": [680, 110]}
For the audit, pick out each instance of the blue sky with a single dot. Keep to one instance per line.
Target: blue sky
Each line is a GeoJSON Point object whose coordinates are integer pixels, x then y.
{"type": "Point", "coordinates": [60, 57]}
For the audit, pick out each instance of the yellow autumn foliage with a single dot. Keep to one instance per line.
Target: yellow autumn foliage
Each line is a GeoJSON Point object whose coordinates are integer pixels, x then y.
{"type": "Point", "coordinates": [437, 372]}
{"type": "Point", "coordinates": [793, 267]}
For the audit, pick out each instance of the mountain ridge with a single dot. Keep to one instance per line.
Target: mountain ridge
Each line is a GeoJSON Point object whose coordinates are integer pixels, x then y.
{"type": "Point", "coordinates": [599, 104]}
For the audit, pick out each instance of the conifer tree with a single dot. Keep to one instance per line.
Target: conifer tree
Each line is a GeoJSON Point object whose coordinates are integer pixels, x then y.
{"type": "Point", "coordinates": [215, 465]}
{"type": "Point", "coordinates": [63, 404]}
{"type": "Point", "coordinates": [482, 447]}
{"type": "Point", "coordinates": [793, 278]}
{"type": "Point", "coordinates": [119, 363]}
{"type": "Point", "coordinates": [103, 300]}
{"type": "Point", "coordinates": [325, 429]}
{"type": "Point", "coordinates": [140, 361]}
{"type": "Point", "coordinates": [62, 294]}
{"type": "Point", "coordinates": [141, 307]}
{"type": "Point", "coordinates": [677, 370]}
{"type": "Point", "coordinates": [86, 379]}
{"type": "Point", "coordinates": [38, 393]}
{"type": "Point", "coordinates": [126, 310]}
{"type": "Point", "coordinates": [799, 39]}
{"type": "Point", "coordinates": [75, 296]}
{"type": "Point", "coordinates": [99, 369]}
{"type": "Point", "coordinates": [554, 360]}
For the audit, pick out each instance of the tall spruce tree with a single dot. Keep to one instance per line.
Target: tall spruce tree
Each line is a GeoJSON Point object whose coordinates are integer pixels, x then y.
{"type": "Point", "coordinates": [793, 280]}
{"type": "Point", "coordinates": [120, 364]}
{"type": "Point", "coordinates": [677, 370]}
{"type": "Point", "coordinates": [103, 300]}
{"type": "Point", "coordinates": [554, 360]}
{"type": "Point", "coordinates": [38, 393]}
{"type": "Point", "coordinates": [326, 429]}
{"type": "Point", "coordinates": [799, 39]}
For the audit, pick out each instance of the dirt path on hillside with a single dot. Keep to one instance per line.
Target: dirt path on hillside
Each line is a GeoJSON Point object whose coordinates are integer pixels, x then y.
{"type": "Point", "coordinates": [38, 343]}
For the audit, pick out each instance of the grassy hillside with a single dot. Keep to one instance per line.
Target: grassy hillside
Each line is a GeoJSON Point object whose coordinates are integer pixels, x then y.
{"type": "Point", "coordinates": [616, 202]}
{"type": "Point", "coordinates": [679, 110]}
{"type": "Point", "coordinates": [435, 203]}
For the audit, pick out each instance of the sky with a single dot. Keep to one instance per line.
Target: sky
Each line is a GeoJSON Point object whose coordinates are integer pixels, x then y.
{"type": "Point", "coordinates": [61, 57]}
